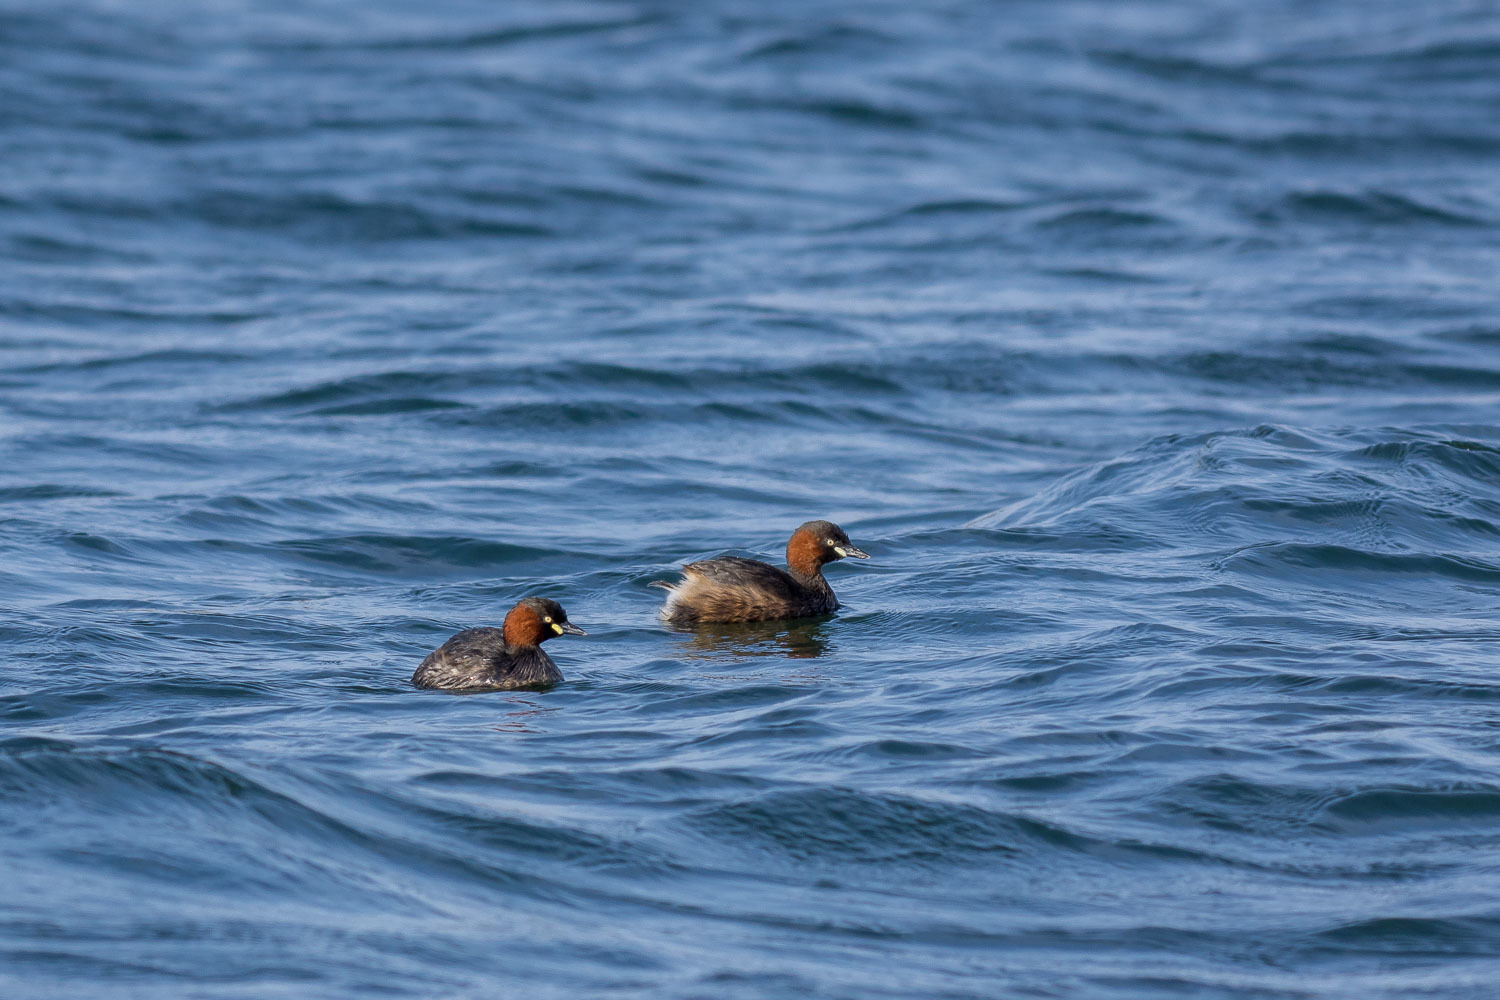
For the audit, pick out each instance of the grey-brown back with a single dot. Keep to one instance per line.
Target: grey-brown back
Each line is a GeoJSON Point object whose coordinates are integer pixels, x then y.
{"type": "Point", "coordinates": [733, 589]}
{"type": "Point", "coordinates": [479, 659]}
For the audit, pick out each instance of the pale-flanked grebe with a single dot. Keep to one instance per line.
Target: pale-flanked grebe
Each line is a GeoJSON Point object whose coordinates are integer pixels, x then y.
{"type": "Point", "coordinates": [731, 589]}
{"type": "Point", "coordinates": [500, 659]}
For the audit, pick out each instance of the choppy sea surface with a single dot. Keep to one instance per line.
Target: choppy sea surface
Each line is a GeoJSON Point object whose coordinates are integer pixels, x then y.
{"type": "Point", "coordinates": [1152, 349]}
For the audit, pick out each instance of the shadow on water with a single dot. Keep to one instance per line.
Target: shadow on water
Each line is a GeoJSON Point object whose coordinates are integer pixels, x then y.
{"type": "Point", "coordinates": [526, 717]}
{"type": "Point", "coordinates": [798, 640]}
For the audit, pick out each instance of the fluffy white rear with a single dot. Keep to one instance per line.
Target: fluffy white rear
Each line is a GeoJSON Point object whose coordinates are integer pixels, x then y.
{"type": "Point", "coordinates": [676, 593]}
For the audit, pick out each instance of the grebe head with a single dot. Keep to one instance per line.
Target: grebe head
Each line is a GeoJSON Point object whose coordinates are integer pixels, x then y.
{"type": "Point", "coordinates": [819, 542]}
{"type": "Point", "coordinates": [534, 620]}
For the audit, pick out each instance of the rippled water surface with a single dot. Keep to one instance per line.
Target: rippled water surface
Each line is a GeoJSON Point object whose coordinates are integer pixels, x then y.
{"type": "Point", "coordinates": [1151, 349]}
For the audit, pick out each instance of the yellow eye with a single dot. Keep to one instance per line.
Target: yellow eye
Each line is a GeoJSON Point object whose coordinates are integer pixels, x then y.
{"type": "Point", "coordinates": [548, 619]}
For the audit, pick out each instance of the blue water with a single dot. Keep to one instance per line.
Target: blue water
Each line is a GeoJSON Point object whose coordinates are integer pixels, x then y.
{"type": "Point", "coordinates": [1152, 350]}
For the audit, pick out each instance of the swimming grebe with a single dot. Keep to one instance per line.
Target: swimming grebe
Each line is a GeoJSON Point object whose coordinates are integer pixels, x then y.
{"type": "Point", "coordinates": [499, 659]}
{"type": "Point", "coordinates": [731, 589]}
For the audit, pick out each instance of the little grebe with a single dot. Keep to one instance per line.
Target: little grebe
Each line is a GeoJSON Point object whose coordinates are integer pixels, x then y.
{"type": "Point", "coordinates": [499, 659]}
{"type": "Point", "coordinates": [731, 589]}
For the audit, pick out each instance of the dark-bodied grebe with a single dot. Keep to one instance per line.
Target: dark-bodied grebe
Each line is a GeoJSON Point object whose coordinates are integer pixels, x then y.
{"type": "Point", "coordinates": [731, 589]}
{"type": "Point", "coordinates": [499, 659]}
